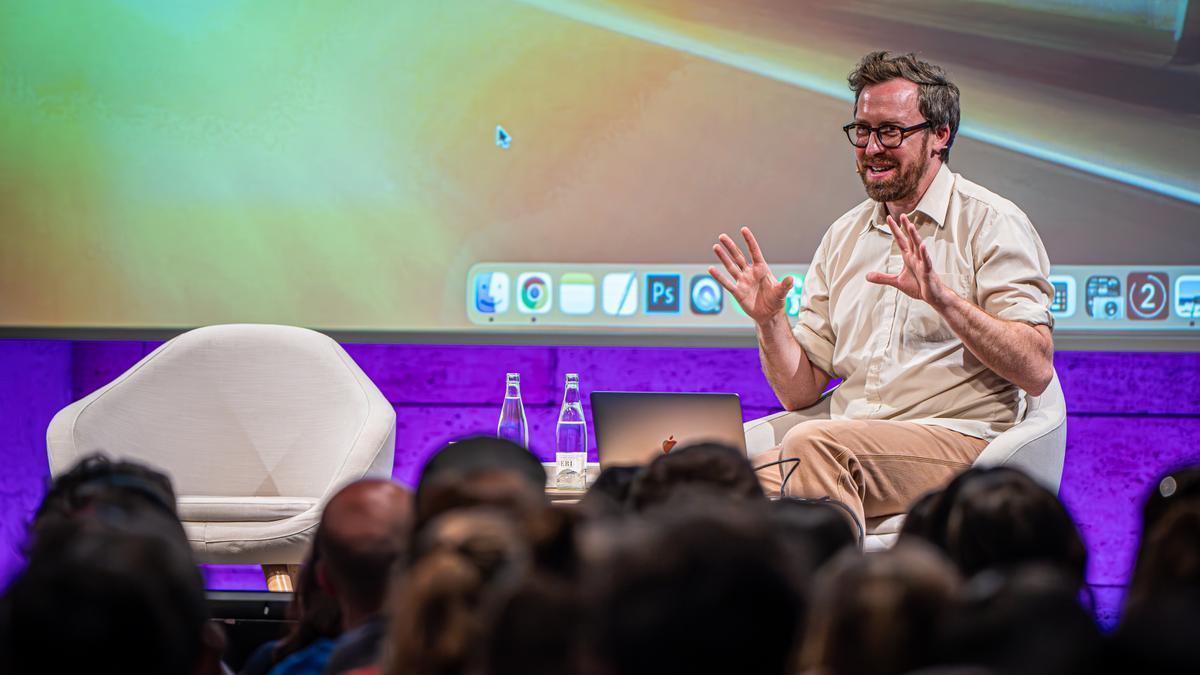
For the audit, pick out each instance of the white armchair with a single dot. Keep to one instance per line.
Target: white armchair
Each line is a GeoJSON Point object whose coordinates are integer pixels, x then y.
{"type": "Point", "coordinates": [257, 426]}
{"type": "Point", "coordinates": [1037, 445]}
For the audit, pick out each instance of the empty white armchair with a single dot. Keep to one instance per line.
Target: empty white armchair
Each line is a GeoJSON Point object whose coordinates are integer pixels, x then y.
{"type": "Point", "coordinates": [1036, 445]}
{"type": "Point", "coordinates": [257, 426]}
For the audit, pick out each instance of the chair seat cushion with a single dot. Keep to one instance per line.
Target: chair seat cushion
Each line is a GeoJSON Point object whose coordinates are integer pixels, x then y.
{"type": "Point", "coordinates": [885, 524]}
{"type": "Point", "coordinates": [206, 509]}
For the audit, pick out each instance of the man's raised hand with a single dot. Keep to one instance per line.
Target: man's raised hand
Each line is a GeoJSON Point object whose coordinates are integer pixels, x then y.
{"type": "Point", "coordinates": [918, 279]}
{"type": "Point", "coordinates": [750, 282]}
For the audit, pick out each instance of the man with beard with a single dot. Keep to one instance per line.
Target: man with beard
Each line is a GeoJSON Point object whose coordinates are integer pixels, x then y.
{"type": "Point", "coordinates": [929, 300]}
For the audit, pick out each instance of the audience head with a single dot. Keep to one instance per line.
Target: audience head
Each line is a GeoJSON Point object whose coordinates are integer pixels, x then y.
{"type": "Point", "coordinates": [536, 629]}
{"type": "Point", "coordinates": [1000, 518]}
{"type": "Point", "coordinates": [919, 521]}
{"type": "Point", "coordinates": [720, 470]}
{"type": "Point", "coordinates": [1174, 488]}
{"type": "Point", "coordinates": [609, 495]}
{"type": "Point", "coordinates": [99, 483]}
{"type": "Point", "coordinates": [1158, 634]}
{"type": "Point", "coordinates": [364, 530]}
{"type": "Point", "coordinates": [480, 471]}
{"type": "Point", "coordinates": [1025, 619]}
{"type": "Point", "coordinates": [113, 594]}
{"type": "Point", "coordinates": [880, 613]}
{"type": "Point", "coordinates": [1168, 559]}
{"type": "Point", "coordinates": [811, 532]}
{"type": "Point", "coordinates": [480, 454]}
{"type": "Point", "coordinates": [1161, 624]}
{"type": "Point", "coordinates": [694, 590]}
{"type": "Point", "coordinates": [440, 608]}
{"type": "Point", "coordinates": [315, 614]}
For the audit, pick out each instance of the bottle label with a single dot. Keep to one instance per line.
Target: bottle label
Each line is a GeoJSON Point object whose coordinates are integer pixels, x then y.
{"type": "Point", "coordinates": [572, 467]}
{"type": "Point", "coordinates": [570, 461]}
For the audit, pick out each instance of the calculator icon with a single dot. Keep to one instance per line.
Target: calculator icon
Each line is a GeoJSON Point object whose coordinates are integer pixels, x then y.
{"type": "Point", "coordinates": [1062, 303]}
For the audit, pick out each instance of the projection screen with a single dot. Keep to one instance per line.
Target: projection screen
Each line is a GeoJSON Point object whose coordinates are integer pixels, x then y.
{"type": "Point", "coordinates": [538, 170]}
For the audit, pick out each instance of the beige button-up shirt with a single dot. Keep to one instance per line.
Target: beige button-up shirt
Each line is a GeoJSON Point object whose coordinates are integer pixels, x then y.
{"type": "Point", "coordinates": [898, 358]}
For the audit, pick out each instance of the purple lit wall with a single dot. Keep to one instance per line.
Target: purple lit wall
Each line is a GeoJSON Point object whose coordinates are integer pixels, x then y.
{"type": "Point", "coordinates": [1132, 415]}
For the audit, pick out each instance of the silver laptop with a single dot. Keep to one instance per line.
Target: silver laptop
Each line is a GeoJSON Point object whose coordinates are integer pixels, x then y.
{"type": "Point", "coordinates": [633, 428]}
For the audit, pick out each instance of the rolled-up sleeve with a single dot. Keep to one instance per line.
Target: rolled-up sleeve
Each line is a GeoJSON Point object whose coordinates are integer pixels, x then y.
{"type": "Point", "coordinates": [1011, 271]}
{"type": "Point", "coordinates": [813, 329]}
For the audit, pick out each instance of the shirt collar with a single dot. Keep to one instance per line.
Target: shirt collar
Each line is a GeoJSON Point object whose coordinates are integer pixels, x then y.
{"type": "Point", "coordinates": [934, 203]}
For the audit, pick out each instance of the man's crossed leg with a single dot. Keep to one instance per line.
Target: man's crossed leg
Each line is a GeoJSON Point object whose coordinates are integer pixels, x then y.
{"type": "Point", "coordinates": [875, 467]}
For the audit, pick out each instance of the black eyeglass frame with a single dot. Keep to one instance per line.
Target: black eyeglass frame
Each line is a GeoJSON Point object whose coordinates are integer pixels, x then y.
{"type": "Point", "coordinates": [905, 132]}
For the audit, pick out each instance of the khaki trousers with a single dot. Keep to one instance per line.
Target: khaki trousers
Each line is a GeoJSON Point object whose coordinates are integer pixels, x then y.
{"type": "Point", "coordinates": [876, 467]}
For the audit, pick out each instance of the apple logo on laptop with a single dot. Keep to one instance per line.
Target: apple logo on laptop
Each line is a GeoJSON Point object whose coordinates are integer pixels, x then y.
{"type": "Point", "coordinates": [668, 444]}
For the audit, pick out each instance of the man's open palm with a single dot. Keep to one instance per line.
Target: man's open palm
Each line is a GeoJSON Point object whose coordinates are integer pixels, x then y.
{"type": "Point", "coordinates": [918, 279]}
{"type": "Point", "coordinates": [753, 285]}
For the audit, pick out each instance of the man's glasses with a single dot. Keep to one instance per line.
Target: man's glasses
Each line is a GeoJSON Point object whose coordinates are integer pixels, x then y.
{"type": "Point", "coordinates": [889, 135]}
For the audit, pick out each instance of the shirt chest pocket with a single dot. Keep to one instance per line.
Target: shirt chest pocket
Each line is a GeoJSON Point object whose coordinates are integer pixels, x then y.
{"type": "Point", "coordinates": [923, 324]}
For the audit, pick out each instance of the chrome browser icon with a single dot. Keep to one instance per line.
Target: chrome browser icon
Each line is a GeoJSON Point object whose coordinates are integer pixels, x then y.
{"type": "Point", "coordinates": [533, 293]}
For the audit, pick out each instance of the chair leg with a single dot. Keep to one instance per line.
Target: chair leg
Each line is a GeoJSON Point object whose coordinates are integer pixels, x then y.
{"type": "Point", "coordinates": [280, 577]}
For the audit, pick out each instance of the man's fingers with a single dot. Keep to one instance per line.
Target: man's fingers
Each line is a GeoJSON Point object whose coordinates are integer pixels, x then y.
{"type": "Point", "coordinates": [925, 257]}
{"type": "Point", "coordinates": [785, 287]}
{"type": "Point", "coordinates": [898, 234]}
{"type": "Point", "coordinates": [729, 266]}
{"type": "Point", "coordinates": [913, 235]}
{"type": "Point", "coordinates": [752, 244]}
{"type": "Point", "coordinates": [735, 253]}
{"type": "Point", "coordinates": [885, 279]}
{"type": "Point", "coordinates": [725, 283]}
{"type": "Point", "coordinates": [920, 252]}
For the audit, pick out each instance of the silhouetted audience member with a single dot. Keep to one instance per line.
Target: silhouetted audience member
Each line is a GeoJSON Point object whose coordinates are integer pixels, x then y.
{"type": "Point", "coordinates": [999, 517]}
{"type": "Point", "coordinates": [116, 592]}
{"type": "Point", "coordinates": [919, 521]}
{"type": "Point", "coordinates": [536, 629]}
{"type": "Point", "coordinates": [364, 531]}
{"type": "Point", "coordinates": [1025, 620]}
{"type": "Point", "coordinates": [97, 481]}
{"type": "Point", "coordinates": [1160, 629]}
{"type": "Point", "coordinates": [695, 590]}
{"type": "Point", "coordinates": [1160, 637]}
{"type": "Point", "coordinates": [552, 535]}
{"type": "Point", "coordinates": [933, 512]}
{"type": "Point", "coordinates": [681, 566]}
{"type": "Point", "coordinates": [709, 466]}
{"type": "Point", "coordinates": [1168, 557]}
{"type": "Point", "coordinates": [495, 488]}
{"type": "Point", "coordinates": [441, 608]}
{"type": "Point", "coordinates": [609, 495]}
{"type": "Point", "coordinates": [880, 613]}
{"type": "Point", "coordinates": [316, 622]}
{"type": "Point", "coordinates": [811, 532]}
{"type": "Point", "coordinates": [480, 471]}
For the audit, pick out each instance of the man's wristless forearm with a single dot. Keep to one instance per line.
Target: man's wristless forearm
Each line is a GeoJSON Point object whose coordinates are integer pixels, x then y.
{"type": "Point", "coordinates": [785, 363]}
{"type": "Point", "coordinates": [1006, 350]}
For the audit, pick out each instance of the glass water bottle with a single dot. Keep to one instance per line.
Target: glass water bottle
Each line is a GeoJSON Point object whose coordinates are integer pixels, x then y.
{"type": "Point", "coordinates": [512, 425]}
{"type": "Point", "coordinates": [571, 438]}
